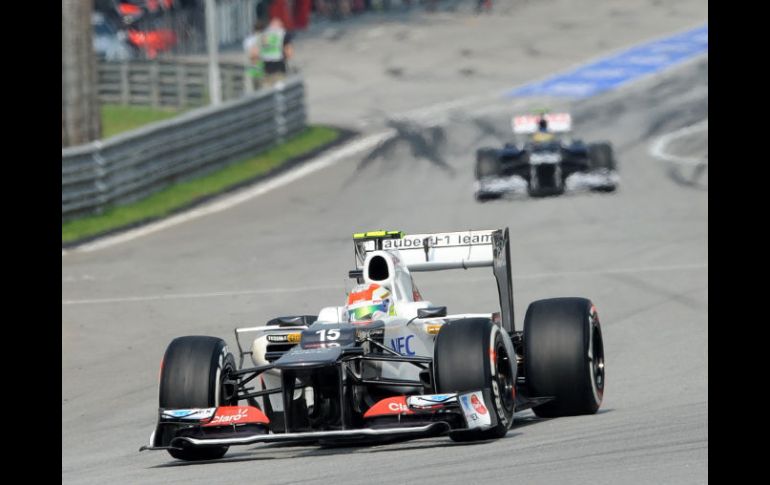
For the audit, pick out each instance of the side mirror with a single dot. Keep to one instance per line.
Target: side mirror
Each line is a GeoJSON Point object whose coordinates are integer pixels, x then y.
{"type": "Point", "coordinates": [431, 312]}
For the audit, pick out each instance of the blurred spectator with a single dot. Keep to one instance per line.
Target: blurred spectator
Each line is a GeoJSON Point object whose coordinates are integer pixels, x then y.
{"type": "Point", "coordinates": [109, 43]}
{"type": "Point", "coordinates": [301, 13]}
{"type": "Point", "coordinates": [255, 69]}
{"type": "Point", "coordinates": [281, 9]}
{"type": "Point", "coordinates": [483, 5]}
{"type": "Point", "coordinates": [275, 51]}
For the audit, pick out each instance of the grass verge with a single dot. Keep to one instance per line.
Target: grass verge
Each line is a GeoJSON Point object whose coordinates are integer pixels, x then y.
{"type": "Point", "coordinates": [118, 118]}
{"type": "Point", "coordinates": [184, 194]}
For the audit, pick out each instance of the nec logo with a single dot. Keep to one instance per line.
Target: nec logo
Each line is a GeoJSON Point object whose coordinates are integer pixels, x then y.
{"type": "Point", "coordinates": [402, 345]}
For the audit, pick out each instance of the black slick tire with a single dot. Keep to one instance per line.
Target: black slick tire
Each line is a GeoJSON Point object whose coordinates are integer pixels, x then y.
{"type": "Point", "coordinates": [564, 356]}
{"type": "Point", "coordinates": [600, 156]}
{"type": "Point", "coordinates": [192, 376]}
{"type": "Point", "coordinates": [487, 163]}
{"type": "Point", "coordinates": [473, 354]}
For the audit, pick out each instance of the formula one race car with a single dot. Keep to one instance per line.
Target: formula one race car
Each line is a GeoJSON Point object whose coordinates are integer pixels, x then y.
{"type": "Point", "coordinates": [545, 161]}
{"type": "Point", "coordinates": [388, 364]}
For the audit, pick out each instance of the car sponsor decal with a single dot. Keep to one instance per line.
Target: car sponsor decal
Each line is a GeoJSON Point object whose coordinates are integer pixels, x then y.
{"type": "Point", "coordinates": [478, 404]}
{"type": "Point", "coordinates": [403, 345]}
{"type": "Point", "coordinates": [293, 338]}
{"type": "Point", "coordinates": [615, 70]}
{"type": "Point", "coordinates": [389, 406]}
{"type": "Point", "coordinates": [193, 414]}
{"type": "Point", "coordinates": [475, 411]}
{"type": "Point", "coordinates": [229, 415]}
{"type": "Point", "coordinates": [439, 240]}
{"type": "Point", "coordinates": [528, 124]}
{"type": "Point", "coordinates": [430, 401]}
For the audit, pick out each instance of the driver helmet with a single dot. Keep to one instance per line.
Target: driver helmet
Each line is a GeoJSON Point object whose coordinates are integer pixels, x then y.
{"type": "Point", "coordinates": [542, 125]}
{"type": "Point", "coordinates": [369, 302]}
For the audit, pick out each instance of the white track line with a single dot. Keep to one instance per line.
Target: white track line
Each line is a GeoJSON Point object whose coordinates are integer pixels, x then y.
{"type": "Point", "coordinates": [184, 296]}
{"type": "Point", "coordinates": [240, 196]}
{"type": "Point", "coordinates": [658, 147]}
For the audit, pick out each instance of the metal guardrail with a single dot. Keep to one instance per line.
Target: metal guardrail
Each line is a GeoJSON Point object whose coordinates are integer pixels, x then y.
{"type": "Point", "coordinates": [130, 166]}
{"type": "Point", "coordinates": [165, 83]}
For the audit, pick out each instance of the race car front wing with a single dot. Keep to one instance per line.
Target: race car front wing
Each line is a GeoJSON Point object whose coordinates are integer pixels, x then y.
{"type": "Point", "coordinates": [407, 417]}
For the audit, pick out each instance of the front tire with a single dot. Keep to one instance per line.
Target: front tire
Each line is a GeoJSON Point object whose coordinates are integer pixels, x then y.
{"type": "Point", "coordinates": [474, 354]}
{"type": "Point", "coordinates": [564, 356]}
{"type": "Point", "coordinates": [487, 163]}
{"type": "Point", "coordinates": [194, 375]}
{"type": "Point", "coordinates": [601, 156]}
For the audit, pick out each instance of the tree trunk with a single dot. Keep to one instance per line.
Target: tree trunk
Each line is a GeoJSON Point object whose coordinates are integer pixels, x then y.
{"type": "Point", "coordinates": [81, 121]}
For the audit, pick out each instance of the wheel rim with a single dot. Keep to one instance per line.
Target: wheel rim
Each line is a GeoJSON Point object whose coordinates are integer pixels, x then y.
{"type": "Point", "coordinates": [596, 358]}
{"type": "Point", "coordinates": [504, 377]}
{"type": "Point", "coordinates": [227, 387]}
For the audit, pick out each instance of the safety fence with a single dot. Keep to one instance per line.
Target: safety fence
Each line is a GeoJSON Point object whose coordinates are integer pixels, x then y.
{"type": "Point", "coordinates": [162, 83]}
{"type": "Point", "coordinates": [130, 166]}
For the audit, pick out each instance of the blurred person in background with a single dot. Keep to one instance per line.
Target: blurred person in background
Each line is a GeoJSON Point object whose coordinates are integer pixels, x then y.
{"type": "Point", "coordinates": [484, 5]}
{"type": "Point", "coordinates": [255, 69]}
{"type": "Point", "coordinates": [275, 51]}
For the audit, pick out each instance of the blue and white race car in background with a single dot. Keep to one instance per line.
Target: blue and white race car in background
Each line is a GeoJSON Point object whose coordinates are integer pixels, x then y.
{"type": "Point", "coordinates": [544, 161]}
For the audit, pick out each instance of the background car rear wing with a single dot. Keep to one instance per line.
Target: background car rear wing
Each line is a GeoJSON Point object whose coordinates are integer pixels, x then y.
{"type": "Point", "coordinates": [527, 124]}
{"type": "Point", "coordinates": [447, 250]}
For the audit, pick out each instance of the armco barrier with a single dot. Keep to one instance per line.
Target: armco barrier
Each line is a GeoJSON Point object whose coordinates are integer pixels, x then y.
{"type": "Point", "coordinates": [132, 165]}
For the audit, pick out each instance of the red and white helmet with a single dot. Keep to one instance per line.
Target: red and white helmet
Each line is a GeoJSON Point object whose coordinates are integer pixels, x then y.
{"type": "Point", "coordinates": [369, 302]}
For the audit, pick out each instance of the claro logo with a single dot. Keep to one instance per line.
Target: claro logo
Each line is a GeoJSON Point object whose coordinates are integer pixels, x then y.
{"type": "Point", "coordinates": [398, 407]}
{"type": "Point", "coordinates": [230, 418]}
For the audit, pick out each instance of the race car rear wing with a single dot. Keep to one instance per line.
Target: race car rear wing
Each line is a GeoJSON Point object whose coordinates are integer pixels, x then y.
{"type": "Point", "coordinates": [528, 124]}
{"type": "Point", "coordinates": [447, 250]}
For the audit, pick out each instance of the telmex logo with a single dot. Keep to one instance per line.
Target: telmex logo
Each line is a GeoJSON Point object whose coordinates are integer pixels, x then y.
{"type": "Point", "coordinates": [180, 413]}
{"type": "Point", "coordinates": [397, 406]}
{"type": "Point", "coordinates": [196, 413]}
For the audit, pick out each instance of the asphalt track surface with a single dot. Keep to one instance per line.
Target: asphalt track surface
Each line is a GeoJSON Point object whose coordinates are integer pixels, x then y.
{"type": "Point", "coordinates": [641, 254]}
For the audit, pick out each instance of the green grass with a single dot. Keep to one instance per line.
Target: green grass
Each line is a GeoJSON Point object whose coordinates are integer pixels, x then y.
{"type": "Point", "coordinates": [178, 195]}
{"type": "Point", "coordinates": [117, 118]}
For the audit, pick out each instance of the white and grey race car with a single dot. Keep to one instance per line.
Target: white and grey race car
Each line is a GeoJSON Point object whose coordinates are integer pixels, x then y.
{"type": "Point", "coordinates": [415, 372]}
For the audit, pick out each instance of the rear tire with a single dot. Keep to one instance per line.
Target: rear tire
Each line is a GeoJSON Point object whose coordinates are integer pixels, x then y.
{"type": "Point", "coordinates": [564, 356]}
{"type": "Point", "coordinates": [192, 376]}
{"type": "Point", "coordinates": [487, 163]}
{"type": "Point", "coordinates": [463, 362]}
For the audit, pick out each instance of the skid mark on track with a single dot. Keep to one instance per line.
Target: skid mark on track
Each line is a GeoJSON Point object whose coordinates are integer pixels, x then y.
{"type": "Point", "coordinates": [699, 165]}
{"type": "Point", "coordinates": [424, 143]}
